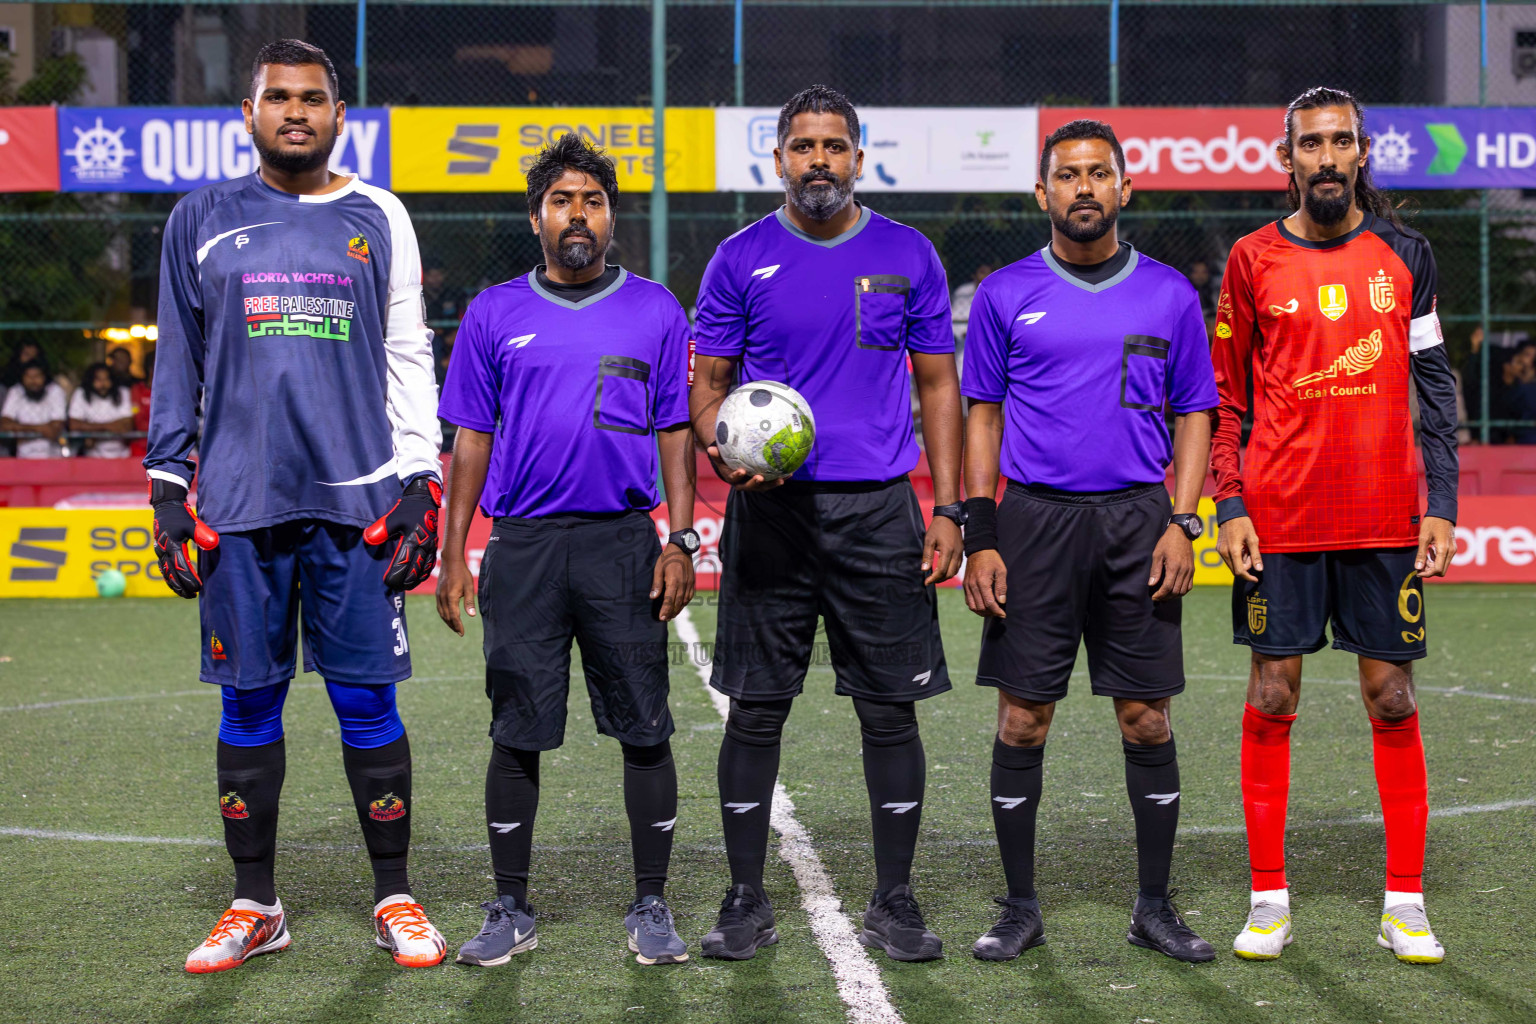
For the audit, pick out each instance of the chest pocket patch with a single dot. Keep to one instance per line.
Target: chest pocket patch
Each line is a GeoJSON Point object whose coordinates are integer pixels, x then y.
{"type": "Point", "coordinates": [1143, 372]}
{"type": "Point", "coordinates": [623, 395]}
{"type": "Point", "coordinates": [880, 311]}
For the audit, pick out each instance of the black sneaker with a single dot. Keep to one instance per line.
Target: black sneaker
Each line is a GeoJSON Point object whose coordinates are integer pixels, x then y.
{"type": "Point", "coordinates": [744, 926]}
{"type": "Point", "coordinates": [893, 923]}
{"type": "Point", "coordinates": [1019, 928]}
{"type": "Point", "coordinates": [1156, 924]}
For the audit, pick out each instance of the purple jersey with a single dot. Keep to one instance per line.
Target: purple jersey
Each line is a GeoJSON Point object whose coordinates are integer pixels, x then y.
{"type": "Point", "coordinates": [833, 319]}
{"type": "Point", "coordinates": [573, 391]}
{"type": "Point", "coordinates": [1085, 371]}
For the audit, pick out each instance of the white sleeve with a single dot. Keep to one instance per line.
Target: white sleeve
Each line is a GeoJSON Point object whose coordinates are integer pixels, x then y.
{"type": "Point", "coordinates": [57, 403]}
{"type": "Point", "coordinates": [77, 407]}
{"type": "Point", "coordinates": [8, 407]}
{"type": "Point", "coordinates": [412, 392]}
{"type": "Point", "coordinates": [1424, 332]}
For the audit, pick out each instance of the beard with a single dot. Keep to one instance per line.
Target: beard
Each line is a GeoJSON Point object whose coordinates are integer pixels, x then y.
{"type": "Point", "coordinates": [1086, 231]}
{"type": "Point", "coordinates": [819, 202]}
{"type": "Point", "coordinates": [291, 161]}
{"type": "Point", "coordinates": [34, 396]}
{"type": "Point", "coordinates": [576, 248]}
{"type": "Point", "coordinates": [1328, 210]}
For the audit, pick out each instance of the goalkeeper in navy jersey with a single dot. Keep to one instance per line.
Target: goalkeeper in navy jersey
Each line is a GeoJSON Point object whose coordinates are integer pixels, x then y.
{"type": "Point", "coordinates": [291, 318]}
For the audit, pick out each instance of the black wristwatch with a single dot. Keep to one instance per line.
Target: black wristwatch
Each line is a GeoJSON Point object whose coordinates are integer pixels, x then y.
{"type": "Point", "coordinates": [955, 512]}
{"type": "Point", "coordinates": [687, 539]}
{"type": "Point", "coordinates": [1191, 523]}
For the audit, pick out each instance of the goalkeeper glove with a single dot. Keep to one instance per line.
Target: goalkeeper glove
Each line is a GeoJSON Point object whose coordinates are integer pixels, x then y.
{"type": "Point", "coordinates": [414, 521]}
{"type": "Point", "coordinates": [175, 523]}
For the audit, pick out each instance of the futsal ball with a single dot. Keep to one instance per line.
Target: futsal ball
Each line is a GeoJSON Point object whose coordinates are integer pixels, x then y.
{"type": "Point", "coordinates": [111, 583]}
{"type": "Point", "coordinates": [765, 427]}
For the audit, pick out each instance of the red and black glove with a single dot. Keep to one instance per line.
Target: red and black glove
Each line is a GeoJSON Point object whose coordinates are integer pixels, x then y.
{"type": "Point", "coordinates": [175, 524]}
{"type": "Point", "coordinates": [414, 521]}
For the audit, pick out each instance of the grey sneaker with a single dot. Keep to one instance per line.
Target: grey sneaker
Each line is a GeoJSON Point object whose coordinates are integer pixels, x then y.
{"type": "Point", "coordinates": [507, 930]}
{"type": "Point", "coordinates": [652, 935]}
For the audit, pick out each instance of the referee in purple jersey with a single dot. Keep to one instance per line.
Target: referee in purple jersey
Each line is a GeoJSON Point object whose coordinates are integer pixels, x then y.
{"type": "Point", "coordinates": [1072, 356]}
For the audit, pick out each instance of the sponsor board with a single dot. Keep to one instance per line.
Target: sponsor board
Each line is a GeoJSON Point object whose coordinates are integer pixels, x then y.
{"type": "Point", "coordinates": [178, 149]}
{"type": "Point", "coordinates": [1453, 147]}
{"type": "Point", "coordinates": [488, 149]}
{"type": "Point", "coordinates": [906, 149]}
{"type": "Point", "coordinates": [29, 149]}
{"type": "Point", "coordinates": [1190, 149]}
{"type": "Point", "coordinates": [47, 552]}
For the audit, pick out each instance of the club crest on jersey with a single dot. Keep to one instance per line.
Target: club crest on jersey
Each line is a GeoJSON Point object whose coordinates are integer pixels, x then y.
{"type": "Point", "coordinates": [231, 806]}
{"type": "Point", "coordinates": [1382, 299]}
{"type": "Point", "coordinates": [1332, 300]}
{"type": "Point", "coordinates": [1357, 359]}
{"type": "Point", "coordinates": [387, 808]}
{"type": "Point", "coordinates": [358, 248]}
{"type": "Point", "coordinates": [216, 648]}
{"type": "Point", "coordinates": [1258, 614]}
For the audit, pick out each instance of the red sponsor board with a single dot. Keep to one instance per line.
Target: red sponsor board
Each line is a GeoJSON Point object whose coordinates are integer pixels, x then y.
{"type": "Point", "coordinates": [29, 149]}
{"type": "Point", "coordinates": [1495, 540]}
{"type": "Point", "coordinates": [1191, 149]}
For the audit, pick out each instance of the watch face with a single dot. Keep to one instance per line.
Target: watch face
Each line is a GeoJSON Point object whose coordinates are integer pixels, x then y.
{"type": "Point", "coordinates": [688, 540]}
{"type": "Point", "coordinates": [1194, 527]}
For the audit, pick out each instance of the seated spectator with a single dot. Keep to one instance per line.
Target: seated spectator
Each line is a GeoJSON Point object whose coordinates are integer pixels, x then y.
{"type": "Point", "coordinates": [24, 353]}
{"type": "Point", "coordinates": [120, 360]}
{"type": "Point", "coordinates": [960, 301]}
{"type": "Point", "coordinates": [139, 393]}
{"type": "Point", "coordinates": [36, 405]}
{"type": "Point", "coordinates": [101, 405]}
{"type": "Point", "coordinates": [1514, 394]}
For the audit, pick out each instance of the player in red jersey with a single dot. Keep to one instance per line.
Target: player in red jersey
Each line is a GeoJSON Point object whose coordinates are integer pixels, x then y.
{"type": "Point", "coordinates": [1333, 311]}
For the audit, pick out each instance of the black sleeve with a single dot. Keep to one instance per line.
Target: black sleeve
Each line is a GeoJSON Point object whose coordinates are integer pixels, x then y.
{"type": "Point", "coordinates": [1437, 420]}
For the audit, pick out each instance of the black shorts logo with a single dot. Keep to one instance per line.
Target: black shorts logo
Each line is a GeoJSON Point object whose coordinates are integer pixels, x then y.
{"type": "Point", "coordinates": [1258, 614]}
{"type": "Point", "coordinates": [1410, 607]}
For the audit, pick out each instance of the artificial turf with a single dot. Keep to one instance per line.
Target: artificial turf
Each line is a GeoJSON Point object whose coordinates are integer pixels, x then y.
{"type": "Point", "coordinates": [96, 930]}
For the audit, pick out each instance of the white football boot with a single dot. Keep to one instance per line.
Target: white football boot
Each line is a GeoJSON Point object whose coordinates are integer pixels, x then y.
{"type": "Point", "coordinates": [404, 930]}
{"type": "Point", "coordinates": [1266, 934]}
{"type": "Point", "coordinates": [1405, 931]}
{"type": "Point", "coordinates": [247, 929]}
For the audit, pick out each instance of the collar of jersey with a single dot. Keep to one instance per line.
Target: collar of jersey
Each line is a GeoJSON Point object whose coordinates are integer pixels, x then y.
{"type": "Point", "coordinates": [825, 243]}
{"type": "Point", "coordinates": [1366, 223]}
{"type": "Point", "coordinates": [545, 293]}
{"type": "Point", "coordinates": [1071, 278]}
{"type": "Point", "coordinates": [289, 197]}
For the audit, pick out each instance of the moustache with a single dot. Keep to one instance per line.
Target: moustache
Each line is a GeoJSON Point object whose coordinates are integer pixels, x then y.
{"type": "Point", "coordinates": [581, 233]}
{"type": "Point", "coordinates": [810, 176]}
{"type": "Point", "coordinates": [1327, 177]}
{"type": "Point", "coordinates": [1086, 204]}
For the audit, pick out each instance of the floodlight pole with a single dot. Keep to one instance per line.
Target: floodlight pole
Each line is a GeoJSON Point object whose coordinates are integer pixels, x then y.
{"type": "Point", "coordinates": [1114, 53]}
{"type": "Point", "coordinates": [741, 101]}
{"type": "Point", "coordinates": [659, 256]}
{"type": "Point", "coordinates": [360, 58]}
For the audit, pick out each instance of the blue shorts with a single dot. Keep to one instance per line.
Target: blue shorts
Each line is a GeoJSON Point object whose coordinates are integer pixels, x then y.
{"type": "Point", "coordinates": [354, 626]}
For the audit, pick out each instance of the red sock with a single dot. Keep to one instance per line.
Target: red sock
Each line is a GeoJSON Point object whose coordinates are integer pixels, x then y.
{"type": "Point", "coordinates": [1404, 788]}
{"type": "Point", "coordinates": [1266, 762]}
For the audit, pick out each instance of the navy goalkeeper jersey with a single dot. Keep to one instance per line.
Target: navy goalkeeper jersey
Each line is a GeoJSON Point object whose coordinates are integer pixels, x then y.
{"type": "Point", "coordinates": [294, 325]}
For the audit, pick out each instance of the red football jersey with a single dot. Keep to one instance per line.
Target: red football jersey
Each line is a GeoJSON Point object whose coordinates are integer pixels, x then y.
{"type": "Point", "coordinates": [1327, 329]}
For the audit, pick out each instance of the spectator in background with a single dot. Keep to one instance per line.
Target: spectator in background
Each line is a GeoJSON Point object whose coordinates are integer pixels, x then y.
{"type": "Point", "coordinates": [101, 405]}
{"type": "Point", "coordinates": [1514, 394]}
{"type": "Point", "coordinates": [442, 302]}
{"type": "Point", "coordinates": [1207, 287]}
{"type": "Point", "coordinates": [25, 352]}
{"type": "Point", "coordinates": [139, 394]}
{"type": "Point", "coordinates": [35, 405]}
{"type": "Point", "coordinates": [960, 301]}
{"type": "Point", "coordinates": [120, 363]}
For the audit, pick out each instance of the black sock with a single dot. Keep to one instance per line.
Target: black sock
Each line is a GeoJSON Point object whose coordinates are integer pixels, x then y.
{"type": "Point", "coordinates": [1152, 780]}
{"type": "Point", "coordinates": [895, 772]}
{"type": "Point", "coordinates": [250, 783]}
{"type": "Point", "coordinates": [380, 778]}
{"type": "Point", "coordinates": [748, 768]}
{"type": "Point", "coordinates": [1017, 777]}
{"type": "Point", "coordinates": [650, 800]}
{"type": "Point", "coordinates": [511, 801]}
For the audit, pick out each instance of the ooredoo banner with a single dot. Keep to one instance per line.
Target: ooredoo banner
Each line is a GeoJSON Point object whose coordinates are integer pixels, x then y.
{"type": "Point", "coordinates": [178, 149]}
{"type": "Point", "coordinates": [1190, 149]}
{"type": "Point", "coordinates": [29, 149]}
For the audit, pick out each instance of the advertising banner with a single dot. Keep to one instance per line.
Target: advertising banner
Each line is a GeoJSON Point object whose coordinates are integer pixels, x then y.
{"type": "Point", "coordinates": [46, 552]}
{"type": "Point", "coordinates": [178, 149]}
{"type": "Point", "coordinates": [1453, 147]}
{"type": "Point", "coordinates": [488, 149]}
{"type": "Point", "coordinates": [29, 149]}
{"type": "Point", "coordinates": [906, 149]}
{"type": "Point", "coordinates": [1189, 149]}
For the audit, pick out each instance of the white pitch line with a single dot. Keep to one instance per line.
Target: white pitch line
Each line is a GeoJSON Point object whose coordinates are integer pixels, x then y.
{"type": "Point", "coordinates": [1449, 691]}
{"type": "Point", "coordinates": [859, 984]}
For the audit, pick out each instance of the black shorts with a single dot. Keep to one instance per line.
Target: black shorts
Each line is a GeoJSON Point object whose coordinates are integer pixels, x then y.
{"type": "Point", "coordinates": [546, 581]}
{"type": "Point", "coordinates": [1077, 573]}
{"type": "Point", "coordinates": [851, 553]}
{"type": "Point", "coordinates": [1373, 596]}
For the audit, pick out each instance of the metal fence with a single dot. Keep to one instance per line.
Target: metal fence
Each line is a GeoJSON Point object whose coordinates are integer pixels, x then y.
{"type": "Point", "coordinates": [78, 262]}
